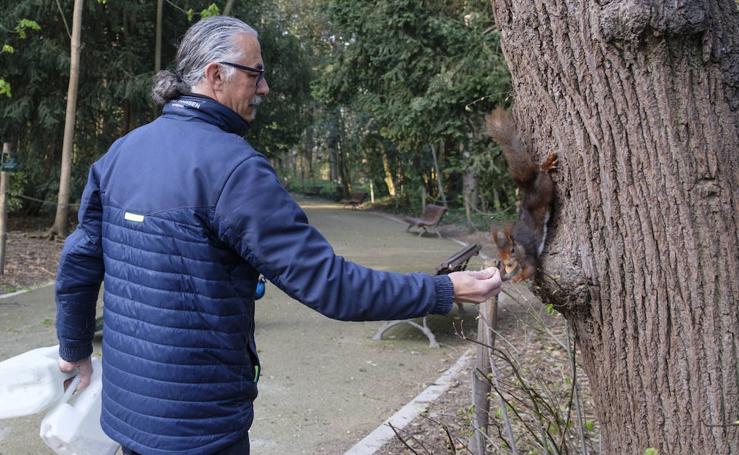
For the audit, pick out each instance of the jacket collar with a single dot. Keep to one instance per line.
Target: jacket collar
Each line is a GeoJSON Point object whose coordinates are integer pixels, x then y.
{"type": "Point", "coordinates": [209, 110]}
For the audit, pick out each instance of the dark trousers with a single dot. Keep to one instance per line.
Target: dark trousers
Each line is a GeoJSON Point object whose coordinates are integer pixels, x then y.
{"type": "Point", "coordinates": [240, 448]}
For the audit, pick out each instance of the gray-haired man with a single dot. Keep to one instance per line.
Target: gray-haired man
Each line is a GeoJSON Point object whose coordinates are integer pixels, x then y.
{"type": "Point", "coordinates": [180, 217]}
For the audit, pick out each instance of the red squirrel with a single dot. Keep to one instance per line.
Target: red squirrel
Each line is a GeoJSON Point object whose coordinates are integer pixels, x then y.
{"type": "Point", "coordinates": [520, 245]}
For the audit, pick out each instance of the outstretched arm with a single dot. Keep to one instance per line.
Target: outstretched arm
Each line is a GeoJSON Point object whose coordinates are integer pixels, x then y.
{"type": "Point", "coordinates": [259, 219]}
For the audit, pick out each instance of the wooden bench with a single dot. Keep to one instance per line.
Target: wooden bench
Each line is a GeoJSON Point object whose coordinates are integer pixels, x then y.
{"type": "Point", "coordinates": [430, 218]}
{"type": "Point", "coordinates": [355, 199]}
{"type": "Point", "coordinates": [455, 263]}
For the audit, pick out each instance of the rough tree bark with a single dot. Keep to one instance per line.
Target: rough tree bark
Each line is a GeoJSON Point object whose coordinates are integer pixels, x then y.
{"type": "Point", "coordinates": [62, 210]}
{"type": "Point", "coordinates": [640, 100]}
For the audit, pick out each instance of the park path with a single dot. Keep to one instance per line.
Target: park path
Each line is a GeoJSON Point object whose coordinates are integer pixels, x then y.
{"type": "Point", "coordinates": [325, 384]}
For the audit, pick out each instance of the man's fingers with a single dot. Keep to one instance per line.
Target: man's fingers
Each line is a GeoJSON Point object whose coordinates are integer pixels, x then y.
{"type": "Point", "coordinates": [84, 372]}
{"type": "Point", "coordinates": [484, 274]}
{"type": "Point", "coordinates": [84, 382]}
{"type": "Point", "coordinates": [475, 287]}
{"type": "Point", "coordinates": [67, 367]}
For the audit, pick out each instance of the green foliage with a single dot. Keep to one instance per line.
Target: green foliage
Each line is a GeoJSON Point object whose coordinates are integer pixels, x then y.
{"type": "Point", "coordinates": [419, 74]}
{"type": "Point", "coordinates": [211, 10]}
{"type": "Point", "coordinates": [651, 451]}
{"type": "Point", "coordinates": [17, 181]}
{"type": "Point", "coordinates": [116, 68]}
{"type": "Point", "coordinates": [359, 90]}
{"type": "Point", "coordinates": [24, 25]}
{"type": "Point", "coordinates": [282, 119]}
{"type": "Point", "coordinates": [20, 30]}
{"type": "Point", "coordinates": [5, 88]}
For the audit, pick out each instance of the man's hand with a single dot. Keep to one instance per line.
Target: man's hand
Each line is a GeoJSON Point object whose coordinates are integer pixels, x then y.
{"type": "Point", "coordinates": [84, 371]}
{"type": "Point", "coordinates": [476, 287]}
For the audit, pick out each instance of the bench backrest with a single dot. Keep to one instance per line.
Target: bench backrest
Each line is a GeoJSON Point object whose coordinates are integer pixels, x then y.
{"type": "Point", "coordinates": [458, 261]}
{"type": "Point", "coordinates": [432, 213]}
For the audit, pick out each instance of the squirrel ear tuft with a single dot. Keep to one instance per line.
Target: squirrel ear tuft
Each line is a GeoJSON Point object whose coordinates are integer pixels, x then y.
{"type": "Point", "coordinates": [508, 229]}
{"type": "Point", "coordinates": [499, 238]}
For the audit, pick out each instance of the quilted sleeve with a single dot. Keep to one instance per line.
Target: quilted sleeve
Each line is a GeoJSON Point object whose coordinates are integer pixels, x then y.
{"type": "Point", "coordinates": [259, 219]}
{"type": "Point", "coordinates": [79, 276]}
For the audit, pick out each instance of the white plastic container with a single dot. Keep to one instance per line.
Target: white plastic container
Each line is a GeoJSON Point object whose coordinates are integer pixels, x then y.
{"type": "Point", "coordinates": [73, 427]}
{"type": "Point", "coordinates": [31, 382]}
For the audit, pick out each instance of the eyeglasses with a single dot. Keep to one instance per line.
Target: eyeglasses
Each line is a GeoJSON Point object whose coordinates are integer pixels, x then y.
{"type": "Point", "coordinates": [259, 70]}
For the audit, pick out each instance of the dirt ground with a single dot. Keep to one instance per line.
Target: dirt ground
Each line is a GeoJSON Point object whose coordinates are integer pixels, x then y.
{"type": "Point", "coordinates": [535, 341]}
{"type": "Point", "coordinates": [528, 335]}
{"type": "Point", "coordinates": [30, 261]}
{"type": "Point", "coordinates": [30, 257]}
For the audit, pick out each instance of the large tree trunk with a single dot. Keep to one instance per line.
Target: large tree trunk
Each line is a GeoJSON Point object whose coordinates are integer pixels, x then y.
{"type": "Point", "coordinates": [639, 98]}
{"type": "Point", "coordinates": [62, 209]}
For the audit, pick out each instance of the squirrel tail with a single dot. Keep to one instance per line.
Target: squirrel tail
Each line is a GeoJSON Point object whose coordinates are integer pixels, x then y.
{"type": "Point", "coordinates": [503, 130]}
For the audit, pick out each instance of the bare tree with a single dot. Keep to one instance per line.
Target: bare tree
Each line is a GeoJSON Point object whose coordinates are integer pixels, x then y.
{"type": "Point", "coordinates": [228, 7]}
{"type": "Point", "coordinates": [158, 37]}
{"type": "Point", "coordinates": [62, 209]}
{"type": "Point", "coordinates": [640, 100]}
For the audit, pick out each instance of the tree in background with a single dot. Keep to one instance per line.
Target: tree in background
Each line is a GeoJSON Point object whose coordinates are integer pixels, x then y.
{"type": "Point", "coordinates": [119, 49]}
{"type": "Point", "coordinates": [62, 209]}
{"type": "Point", "coordinates": [368, 88]}
{"type": "Point", "coordinates": [640, 101]}
{"type": "Point", "coordinates": [421, 74]}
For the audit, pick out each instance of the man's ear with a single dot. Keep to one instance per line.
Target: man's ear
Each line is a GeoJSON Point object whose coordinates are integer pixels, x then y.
{"type": "Point", "coordinates": [214, 76]}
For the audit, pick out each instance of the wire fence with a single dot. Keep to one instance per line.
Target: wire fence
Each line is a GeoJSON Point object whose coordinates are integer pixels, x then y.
{"type": "Point", "coordinates": [42, 201]}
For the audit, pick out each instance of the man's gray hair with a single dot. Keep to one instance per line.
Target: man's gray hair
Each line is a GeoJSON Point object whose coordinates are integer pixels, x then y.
{"type": "Point", "coordinates": [209, 40]}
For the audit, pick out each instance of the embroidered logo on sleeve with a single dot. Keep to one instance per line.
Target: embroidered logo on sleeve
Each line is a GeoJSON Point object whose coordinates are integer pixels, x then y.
{"type": "Point", "coordinates": [134, 217]}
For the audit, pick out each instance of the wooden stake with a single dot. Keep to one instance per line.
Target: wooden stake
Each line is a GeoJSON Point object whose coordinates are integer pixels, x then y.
{"type": "Point", "coordinates": [481, 386]}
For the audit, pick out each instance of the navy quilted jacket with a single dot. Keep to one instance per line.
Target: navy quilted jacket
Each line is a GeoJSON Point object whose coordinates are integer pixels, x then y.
{"type": "Point", "coordinates": [178, 219]}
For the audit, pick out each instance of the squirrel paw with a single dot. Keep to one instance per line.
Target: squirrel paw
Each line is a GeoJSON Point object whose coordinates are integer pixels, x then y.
{"type": "Point", "coordinates": [526, 272]}
{"type": "Point", "coordinates": [550, 163]}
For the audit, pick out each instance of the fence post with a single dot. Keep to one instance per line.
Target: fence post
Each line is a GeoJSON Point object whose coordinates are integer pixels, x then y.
{"type": "Point", "coordinates": [480, 384]}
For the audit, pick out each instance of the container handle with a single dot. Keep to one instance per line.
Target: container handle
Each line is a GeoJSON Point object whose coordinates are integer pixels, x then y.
{"type": "Point", "coordinates": [70, 390]}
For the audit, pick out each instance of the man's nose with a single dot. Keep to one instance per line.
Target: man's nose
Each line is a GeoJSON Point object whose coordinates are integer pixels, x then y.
{"type": "Point", "coordinates": [263, 87]}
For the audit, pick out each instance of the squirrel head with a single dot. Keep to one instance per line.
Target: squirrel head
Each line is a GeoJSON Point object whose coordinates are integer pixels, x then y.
{"type": "Point", "coordinates": [503, 240]}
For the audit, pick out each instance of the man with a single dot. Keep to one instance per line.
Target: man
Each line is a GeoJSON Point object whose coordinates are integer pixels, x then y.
{"type": "Point", "coordinates": [179, 218]}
